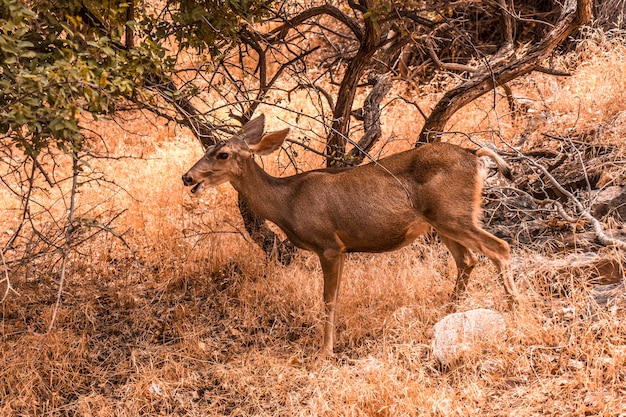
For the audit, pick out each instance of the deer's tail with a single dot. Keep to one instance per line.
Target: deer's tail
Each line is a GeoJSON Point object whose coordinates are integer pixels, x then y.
{"type": "Point", "coordinates": [501, 163]}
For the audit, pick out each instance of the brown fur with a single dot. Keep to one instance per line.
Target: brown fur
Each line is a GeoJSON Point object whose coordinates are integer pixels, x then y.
{"type": "Point", "coordinates": [377, 207]}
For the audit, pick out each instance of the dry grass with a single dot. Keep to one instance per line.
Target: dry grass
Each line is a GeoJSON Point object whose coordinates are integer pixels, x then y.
{"type": "Point", "coordinates": [193, 321]}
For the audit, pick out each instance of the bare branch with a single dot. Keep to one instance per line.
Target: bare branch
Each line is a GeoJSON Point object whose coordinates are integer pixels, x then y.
{"type": "Point", "coordinates": [336, 144]}
{"type": "Point", "coordinates": [281, 32]}
{"type": "Point", "coordinates": [575, 14]}
{"type": "Point", "coordinates": [552, 71]}
{"type": "Point", "coordinates": [450, 66]}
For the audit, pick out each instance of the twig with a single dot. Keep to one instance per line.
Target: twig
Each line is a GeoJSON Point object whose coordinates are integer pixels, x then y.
{"type": "Point", "coordinates": [6, 279]}
{"type": "Point", "coordinates": [43, 172]}
{"type": "Point", "coordinates": [552, 71]}
{"type": "Point", "coordinates": [25, 211]}
{"type": "Point", "coordinates": [68, 237]}
{"type": "Point", "coordinates": [449, 66]}
{"type": "Point", "coordinates": [313, 150]}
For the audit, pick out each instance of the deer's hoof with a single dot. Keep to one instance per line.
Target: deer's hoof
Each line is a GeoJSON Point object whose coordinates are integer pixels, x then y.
{"type": "Point", "coordinates": [326, 353]}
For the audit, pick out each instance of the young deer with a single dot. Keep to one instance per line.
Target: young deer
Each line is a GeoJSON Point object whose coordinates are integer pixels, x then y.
{"type": "Point", "coordinates": [377, 207]}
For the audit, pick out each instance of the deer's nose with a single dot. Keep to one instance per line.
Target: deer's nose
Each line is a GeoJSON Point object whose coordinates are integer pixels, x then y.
{"type": "Point", "coordinates": [187, 180]}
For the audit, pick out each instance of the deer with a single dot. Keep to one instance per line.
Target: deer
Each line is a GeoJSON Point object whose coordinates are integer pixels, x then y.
{"type": "Point", "coordinates": [376, 207]}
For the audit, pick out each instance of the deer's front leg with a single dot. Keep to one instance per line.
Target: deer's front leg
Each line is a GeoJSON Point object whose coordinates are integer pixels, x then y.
{"type": "Point", "coordinates": [332, 265]}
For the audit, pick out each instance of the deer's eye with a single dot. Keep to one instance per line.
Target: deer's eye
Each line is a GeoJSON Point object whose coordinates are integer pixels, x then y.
{"type": "Point", "coordinates": [222, 156]}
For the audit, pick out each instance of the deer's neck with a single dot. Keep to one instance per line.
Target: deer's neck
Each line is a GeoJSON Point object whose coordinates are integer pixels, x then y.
{"type": "Point", "coordinates": [265, 195]}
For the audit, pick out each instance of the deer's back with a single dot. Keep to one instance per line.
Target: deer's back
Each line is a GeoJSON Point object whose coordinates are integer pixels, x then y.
{"type": "Point", "coordinates": [385, 204]}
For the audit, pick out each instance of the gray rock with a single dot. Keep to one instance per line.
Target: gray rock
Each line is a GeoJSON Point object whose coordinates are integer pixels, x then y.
{"type": "Point", "coordinates": [603, 295]}
{"type": "Point", "coordinates": [461, 334]}
{"type": "Point", "coordinates": [609, 200]}
{"type": "Point", "coordinates": [598, 269]}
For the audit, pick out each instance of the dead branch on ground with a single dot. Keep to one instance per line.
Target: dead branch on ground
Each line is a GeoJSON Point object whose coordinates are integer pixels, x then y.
{"type": "Point", "coordinates": [553, 197]}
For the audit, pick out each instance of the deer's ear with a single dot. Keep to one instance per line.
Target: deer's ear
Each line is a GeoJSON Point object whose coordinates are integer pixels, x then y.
{"type": "Point", "coordinates": [269, 142]}
{"type": "Point", "coordinates": [253, 130]}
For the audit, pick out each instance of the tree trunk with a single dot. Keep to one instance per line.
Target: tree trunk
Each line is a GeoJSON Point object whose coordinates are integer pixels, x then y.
{"type": "Point", "coordinates": [256, 227]}
{"type": "Point", "coordinates": [263, 236]}
{"type": "Point", "coordinates": [340, 129]}
{"type": "Point", "coordinates": [371, 118]}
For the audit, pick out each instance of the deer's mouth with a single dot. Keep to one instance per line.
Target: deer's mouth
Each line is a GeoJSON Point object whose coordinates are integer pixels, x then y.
{"type": "Point", "coordinates": [197, 188]}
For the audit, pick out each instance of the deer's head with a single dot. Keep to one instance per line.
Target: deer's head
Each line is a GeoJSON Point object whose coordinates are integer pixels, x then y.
{"type": "Point", "coordinates": [223, 161]}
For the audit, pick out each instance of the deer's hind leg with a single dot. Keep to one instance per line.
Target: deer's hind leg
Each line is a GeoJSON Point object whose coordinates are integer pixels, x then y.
{"type": "Point", "coordinates": [499, 252]}
{"type": "Point", "coordinates": [474, 238]}
{"type": "Point", "coordinates": [465, 262]}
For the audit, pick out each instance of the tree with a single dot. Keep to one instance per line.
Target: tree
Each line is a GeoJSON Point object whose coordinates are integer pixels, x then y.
{"type": "Point", "coordinates": [381, 39]}
{"type": "Point", "coordinates": [63, 62]}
